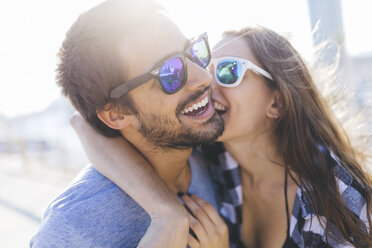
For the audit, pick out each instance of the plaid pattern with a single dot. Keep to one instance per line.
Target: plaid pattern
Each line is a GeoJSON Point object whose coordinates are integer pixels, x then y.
{"type": "Point", "coordinates": [305, 228]}
{"type": "Point", "coordinates": [226, 177]}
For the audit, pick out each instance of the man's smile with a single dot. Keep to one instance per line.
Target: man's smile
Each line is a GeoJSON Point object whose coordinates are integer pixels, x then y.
{"type": "Point", "coordinates": [196, 108]}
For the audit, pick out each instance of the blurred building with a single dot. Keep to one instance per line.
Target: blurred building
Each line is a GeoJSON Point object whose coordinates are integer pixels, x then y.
{"type": "Point", "coordinates": [326, 20]}
{"type": "Point", "coordinates": [43, 139]}
{"type": "Point", "coordinates": [328, 35]}
{"type": "Point", "coordinates": [354, 74]}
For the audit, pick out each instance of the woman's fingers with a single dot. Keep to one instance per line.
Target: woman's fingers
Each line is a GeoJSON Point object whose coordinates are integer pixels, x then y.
{"type": "Point", "coordinates": [198, 212]}
{"type": "Point", "coordinates": [208, 226]}
{"type": "Point", "coordinates": [192, 242]}
{"type": "Point", "coordinates": [198, 229]}
{"type": "Point", "coordinates": [211, 213]}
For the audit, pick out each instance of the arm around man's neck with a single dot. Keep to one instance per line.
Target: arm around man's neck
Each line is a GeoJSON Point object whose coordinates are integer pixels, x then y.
{"type": "Point", "coordinates": [117, 160]}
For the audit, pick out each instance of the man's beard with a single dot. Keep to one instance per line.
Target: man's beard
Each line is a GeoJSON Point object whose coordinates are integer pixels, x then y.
{"type": "Point", "coordinates": [161, 131]}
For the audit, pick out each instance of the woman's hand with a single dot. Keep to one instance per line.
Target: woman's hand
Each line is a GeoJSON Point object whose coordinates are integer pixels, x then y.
{"type": "Point", "coordinates": [209, 228]}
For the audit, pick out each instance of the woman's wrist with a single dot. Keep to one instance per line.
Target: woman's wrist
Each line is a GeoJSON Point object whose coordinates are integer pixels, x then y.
{"type": "Point", "coordinates": [169, 227]}
{"type": "Point", "coordinates": [170, 210]}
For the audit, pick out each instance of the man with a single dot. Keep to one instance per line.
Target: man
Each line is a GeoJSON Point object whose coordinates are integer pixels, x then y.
{"type": "Point", "coordinates": [130, 72]}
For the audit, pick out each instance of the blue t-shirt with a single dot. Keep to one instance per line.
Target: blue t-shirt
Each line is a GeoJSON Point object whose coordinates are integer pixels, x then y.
{"type": "Point", "coordinates": [94, 212]}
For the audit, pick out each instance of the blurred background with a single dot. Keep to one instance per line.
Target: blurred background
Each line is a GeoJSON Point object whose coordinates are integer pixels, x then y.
{"type": "Point", "coordinates": [39, 152]}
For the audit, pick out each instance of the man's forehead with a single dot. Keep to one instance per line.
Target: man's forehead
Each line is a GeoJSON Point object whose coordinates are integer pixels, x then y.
{"type": "Point", "coordinates": [156, 32]}
{"type": "Point", "coordinates": [147, 46]}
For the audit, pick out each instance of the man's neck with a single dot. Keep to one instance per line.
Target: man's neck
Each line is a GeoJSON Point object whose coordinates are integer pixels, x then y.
{"type": "Point", "coordinates": [170, 164]}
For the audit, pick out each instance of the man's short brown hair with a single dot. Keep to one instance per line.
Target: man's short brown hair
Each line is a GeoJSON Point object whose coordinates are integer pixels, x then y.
{"type": "Point", "coordinates": [90, 65]}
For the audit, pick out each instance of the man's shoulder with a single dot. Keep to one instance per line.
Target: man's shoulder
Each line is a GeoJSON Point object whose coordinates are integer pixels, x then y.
{"type": "Point", "coordinates": [93, 210]}
{"type": "Point", "coordinates": [90, 191]}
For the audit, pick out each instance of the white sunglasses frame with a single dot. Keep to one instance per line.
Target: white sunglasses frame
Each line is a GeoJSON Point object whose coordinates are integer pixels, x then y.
{"type": "Point", "coordinates": [246, 64]}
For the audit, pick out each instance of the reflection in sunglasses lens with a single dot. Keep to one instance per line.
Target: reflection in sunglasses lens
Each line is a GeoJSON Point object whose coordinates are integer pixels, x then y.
{"type": "Point", "coordinates": [228, 71]}
{"type": "Point", "coordinates": [172, 74]}
{"type": "Point", "coordinates": [200, 53]}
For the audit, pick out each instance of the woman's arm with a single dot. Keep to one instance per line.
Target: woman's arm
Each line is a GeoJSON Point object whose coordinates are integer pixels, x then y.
{"type": "Point", "coordinates": [119, 161]}
{"type": "Point", "coordinates": [116, 159]}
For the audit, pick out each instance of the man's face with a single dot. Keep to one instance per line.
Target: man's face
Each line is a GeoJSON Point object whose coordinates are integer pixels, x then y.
{"type": "Point", "coordinates": [167, 120]}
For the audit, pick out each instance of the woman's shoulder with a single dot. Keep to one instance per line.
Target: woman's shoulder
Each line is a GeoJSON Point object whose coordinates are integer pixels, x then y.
{"type": "Point", "coordinates": [349, 186]}
{"type": "Point", "coordinates": [308, 225]}
{"type": "Point", "coordinates": [352, 192]}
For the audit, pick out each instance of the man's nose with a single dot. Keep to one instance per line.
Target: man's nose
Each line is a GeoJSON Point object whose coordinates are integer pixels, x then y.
{"type": "Point", "coordinates": [198, 78]}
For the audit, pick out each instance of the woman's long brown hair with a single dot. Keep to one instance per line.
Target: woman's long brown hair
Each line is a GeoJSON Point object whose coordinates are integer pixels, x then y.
{"type": "Point", "coordinates": [305, 124]}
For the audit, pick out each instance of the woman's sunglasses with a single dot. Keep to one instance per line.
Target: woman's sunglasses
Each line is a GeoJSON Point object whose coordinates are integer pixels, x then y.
{"type": "Point", "coordinates": [172, 71]}
{"type": "Point", "coordinates": [229, 71]}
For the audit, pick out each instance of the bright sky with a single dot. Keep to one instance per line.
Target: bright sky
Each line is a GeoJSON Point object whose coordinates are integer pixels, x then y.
{"type": "Point", "coordinates": [32, 32]}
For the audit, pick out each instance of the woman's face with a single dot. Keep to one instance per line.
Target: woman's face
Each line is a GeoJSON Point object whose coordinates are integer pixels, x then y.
{"type": "Point", "coordinates": [248, 107]}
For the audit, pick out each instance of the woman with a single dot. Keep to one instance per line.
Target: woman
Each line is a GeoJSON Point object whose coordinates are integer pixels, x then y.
{"type": "Point", "coordinates": [302, 182]}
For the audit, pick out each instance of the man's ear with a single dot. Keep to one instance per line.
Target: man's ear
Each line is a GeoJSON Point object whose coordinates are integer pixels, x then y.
{"type": "Point", "coordinates": [275, 107]}
{"type": "Point", "coordinates": [113, 118]}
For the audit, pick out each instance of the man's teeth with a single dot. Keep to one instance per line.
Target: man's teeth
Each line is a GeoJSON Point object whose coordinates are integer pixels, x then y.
{"type": "Point", "coordinates": [218, 106]}
{"type": "Point", "coordinates": [195, 106]}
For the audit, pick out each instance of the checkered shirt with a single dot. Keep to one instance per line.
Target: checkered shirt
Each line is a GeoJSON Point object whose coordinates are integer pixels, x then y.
{"type": "Point", "coordinates": [305, 228]}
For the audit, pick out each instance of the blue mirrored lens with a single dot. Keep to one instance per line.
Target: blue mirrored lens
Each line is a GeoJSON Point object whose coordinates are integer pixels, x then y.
{"type": "Point", "coordinates": [228, 71]}
{"type": "Point", "coordinates": [200, 52]}
{"type": "Point", "coordinates": [172, 74]}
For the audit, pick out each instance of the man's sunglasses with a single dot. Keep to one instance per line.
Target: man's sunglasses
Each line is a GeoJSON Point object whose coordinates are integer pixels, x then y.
{"type": "Point", "coordinates": [229, 71]}
{"type": "Point", "coordinates": [172, 71]}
